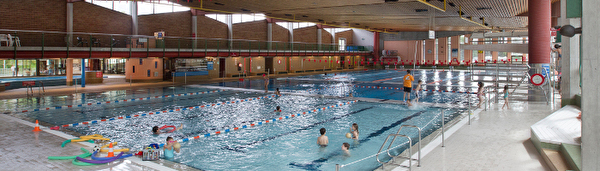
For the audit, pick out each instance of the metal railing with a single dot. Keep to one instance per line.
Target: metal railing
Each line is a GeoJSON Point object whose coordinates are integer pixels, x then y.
{"type": "Point", "coordinates": [78, 41]}
{"type": "Point", "coordinates": [385, 142]}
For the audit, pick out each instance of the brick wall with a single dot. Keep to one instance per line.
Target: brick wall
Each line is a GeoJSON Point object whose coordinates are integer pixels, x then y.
{"type": "Point", "coordinates": [90, 18]}
{"type": "Point", "coordinates": [280, 34]}
{"type": "Point", "coordinates": [178, 24]}
{"type": "Point", "coordinates": [47, 15]}
{"type": "Point", "coordinates": [306, 34]}
{"type": "Point", "coordinates": [256, 30]}
{"type": "Point", "coordinates": [210, 28]}
{"type": "Point", "coordinates": [344, 34]}
{"type": "Point", "coordinates": [326, 37]}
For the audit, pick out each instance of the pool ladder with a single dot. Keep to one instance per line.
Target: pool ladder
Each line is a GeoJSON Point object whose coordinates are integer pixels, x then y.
{"type": "Point", "coordinates": [409, 157]}
{"type": "Point", "coordinates": [41, 90]}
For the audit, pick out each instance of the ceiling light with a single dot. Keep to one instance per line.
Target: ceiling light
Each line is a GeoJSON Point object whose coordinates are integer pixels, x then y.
{"type": "Point", "coordinates": [245, 10]}
{"type": "Point", "coordinates": [304, 16]}
{"type": "Point", "coordinates": [391, 0]}
{"type": "Point", "coordinates": [420, 10]}
{"type": "Point", "coordinates": [216, 3]}
{"type": "Point", "coordinates": [460, 12]}
{"type": "Point", "coordinates": [451, 4]}
{"type": "Point", "coordinates": [486, 24]}
{"type": "Point", "coordinates": [483, 8]}
{"type": "Point", "coordinates": [480, 18]}
{"type": "Point", "coordinates": [288, 15]}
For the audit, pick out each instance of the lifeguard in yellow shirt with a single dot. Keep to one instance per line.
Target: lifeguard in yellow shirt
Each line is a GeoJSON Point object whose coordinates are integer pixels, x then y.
{"type": "Point", "coordinates": [408, 79]}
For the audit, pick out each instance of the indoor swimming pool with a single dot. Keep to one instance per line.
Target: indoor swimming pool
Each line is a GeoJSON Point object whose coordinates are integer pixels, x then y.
{"type": "Point", "coordinates": [238, 129]}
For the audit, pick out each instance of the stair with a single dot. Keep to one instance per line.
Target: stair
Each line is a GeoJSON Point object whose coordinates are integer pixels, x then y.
{"type": "Point", "coordinates": [555, 160]}
{"type": "Point", "coordinates": [572, 154]}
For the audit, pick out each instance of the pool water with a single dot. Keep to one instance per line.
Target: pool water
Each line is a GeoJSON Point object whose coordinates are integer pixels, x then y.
{"type": "Point", "coordinates": [286, 144]}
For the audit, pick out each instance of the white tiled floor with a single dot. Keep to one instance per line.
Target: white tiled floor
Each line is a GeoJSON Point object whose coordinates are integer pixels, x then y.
{"type": "Point", "coordinates": [496, 140]}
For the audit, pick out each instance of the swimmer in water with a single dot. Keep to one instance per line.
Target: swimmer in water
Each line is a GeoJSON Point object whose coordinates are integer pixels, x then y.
{"type": "Point", "coordinates": [323, 140]}
{"type": "Point", "coordinates": [277, 92]}
{"type": "Point", "coordinates": [277, 109]}
{"type": "Point", "coordinates": [354, 131]}
{"type": "Point", "coordinates": [156, 129]}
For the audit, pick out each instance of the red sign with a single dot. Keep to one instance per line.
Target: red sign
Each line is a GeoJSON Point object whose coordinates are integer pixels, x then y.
{"type": "Point", "coordinates": [537, 79]}
{"type": "Point", "coordinates": [28, 83]}
{"type": "Point", "coordinates": [233, 54]}
{"type": "Point", "coordinates": [98, 74]}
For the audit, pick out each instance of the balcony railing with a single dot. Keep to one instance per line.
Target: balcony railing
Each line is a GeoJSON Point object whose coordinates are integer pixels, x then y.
{"type": "Point", "coordinates": [52, 40]}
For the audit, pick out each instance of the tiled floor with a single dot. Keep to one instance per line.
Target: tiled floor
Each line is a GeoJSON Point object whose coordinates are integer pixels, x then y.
{"type": "Point", "coordinates": [496, 140]}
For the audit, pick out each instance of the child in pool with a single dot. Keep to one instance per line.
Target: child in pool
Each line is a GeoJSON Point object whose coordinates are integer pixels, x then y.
{"type": "Point", "coordinates": [418, 91]}
{"type": "Point", "coordinates": [156, 129]}
{"type": "Point", "coordinates": [323, 140]}
{"type": "Point", "coordinates": [354, 131]}
{"type": "Point", "coordinates": [170, 148]}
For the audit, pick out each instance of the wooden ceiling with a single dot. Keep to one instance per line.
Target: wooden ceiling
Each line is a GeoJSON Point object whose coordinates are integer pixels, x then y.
{"type": "Point", "coordinates": [395, 16]}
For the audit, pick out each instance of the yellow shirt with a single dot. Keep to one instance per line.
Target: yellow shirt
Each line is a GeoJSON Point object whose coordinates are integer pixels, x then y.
{"type": "Point", "coordinates": [408, 79]}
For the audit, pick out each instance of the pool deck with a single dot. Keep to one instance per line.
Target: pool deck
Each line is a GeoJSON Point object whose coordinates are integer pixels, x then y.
{"type": "Point", "coordinates": [497, 139]}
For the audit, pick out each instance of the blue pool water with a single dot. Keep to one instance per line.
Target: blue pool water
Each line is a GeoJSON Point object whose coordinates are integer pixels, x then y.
{"type": "Point", "coordinates": [287, 144]}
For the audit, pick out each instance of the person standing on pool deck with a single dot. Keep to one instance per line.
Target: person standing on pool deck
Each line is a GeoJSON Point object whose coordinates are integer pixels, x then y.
{"type": "Point", "coordinates": [408, 79]}
{"type": "Point", "coordinates": [505, 97]}
{"type": "Point", "coordinates": [266, 78]}
{"type": "Point", "coordinates": [323, 140]}
{"type": "Point", "coordinates": [480, 93]}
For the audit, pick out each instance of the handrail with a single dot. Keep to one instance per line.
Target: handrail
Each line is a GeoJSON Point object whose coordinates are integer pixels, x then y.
{"type": "Point", "coordinates": [419, 143]}
{"type": "Point", "coordinates": [409, 150]}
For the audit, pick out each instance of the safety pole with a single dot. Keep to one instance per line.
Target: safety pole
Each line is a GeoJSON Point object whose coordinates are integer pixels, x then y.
{"type": "Point", "coordinates": [443, 128]}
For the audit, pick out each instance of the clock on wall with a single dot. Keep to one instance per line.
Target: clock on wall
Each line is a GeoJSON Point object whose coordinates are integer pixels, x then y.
{"type": "Point", "coordinates": [429, 51]}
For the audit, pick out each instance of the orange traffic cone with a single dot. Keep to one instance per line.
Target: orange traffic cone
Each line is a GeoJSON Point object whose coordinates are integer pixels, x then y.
{"type": "Point", "coordinates": [110, 151]}
{"type": "Point", "coordinates": [37, 126]}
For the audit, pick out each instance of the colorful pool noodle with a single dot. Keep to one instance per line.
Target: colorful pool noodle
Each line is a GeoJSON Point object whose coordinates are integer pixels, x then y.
{"type": "Point", "coordinates": [86, 154]}
{"type": "Point", "coordinates": [69, 140]}
{"type": "Point", "coordinates": [168, 126]}
{"type": "Point", "coordinates": [100, 161]}
{"type": "Point", "coordinates": [102, 149]}
{"type": "Point", "coordinates": [107, 158]}
{"type": "Point", "coordinates": [78, 163]}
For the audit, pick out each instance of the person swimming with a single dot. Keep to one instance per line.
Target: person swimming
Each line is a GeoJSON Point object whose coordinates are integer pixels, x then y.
{"type": "Point", "coordinates": [354, 131]}
{"type": "Point", "coordinates": [157, 130]}
{"type": "Point", "coordinates": [277, 109]}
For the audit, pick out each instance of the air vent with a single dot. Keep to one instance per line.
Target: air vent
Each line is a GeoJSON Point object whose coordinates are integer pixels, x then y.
{"type": "Point", "coordinates": [460, 12]}
{"type": "Point", "coordinates": [421, 10]}
{"type": "Point", "coordinates": [480, 18]}
{"type": "Point", "coordinates": [245, 10]}
{"type": "Point", "coordinates": [304, 16]}
{"type": "Point", "coordinates": [486, 24]}
{"type": "Point", "coordinates": [289, 15]}
{"type": "Point", "coordinates": [483, 8]}
{"type": "Point", "coordinates": [216, 3]}
{"type": "Point", "coordinates": [451, 4]}
{"type": "Point", "coordinates": [391, 0]}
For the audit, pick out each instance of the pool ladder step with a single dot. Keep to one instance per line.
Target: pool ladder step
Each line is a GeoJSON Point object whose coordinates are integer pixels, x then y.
{"type": "Point", "coordinates": [409, 157]}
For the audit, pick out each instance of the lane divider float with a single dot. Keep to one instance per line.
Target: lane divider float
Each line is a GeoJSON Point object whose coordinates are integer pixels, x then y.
{"type": "Point", "coordinates": [159, 112]}
{"type": "Point", "coordinates": [117, 101]}
{"type": "Point", "coordinates": [258, 123]}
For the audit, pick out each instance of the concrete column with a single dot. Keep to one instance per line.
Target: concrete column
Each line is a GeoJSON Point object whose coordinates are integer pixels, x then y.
{"type": "Point", "coordinates": [468, 54]}
{"type": "Point", "coordinates": [69, 37]}
{"type": "Point", "coordinates": [442, 50]}
{"type": "Point", "coordinates": [229, 23]}
{"type": "Point", "coordinates": [508, 54]}
{"type": "Point", "coordinates": [480, 56]}
{"type": "Point", "coordinates": [291, 30]}
{"type": "Point", "coordinates": [269, 34]}
{"type": "Point", "coordinates": [570, 60]}
{"type": "Point", "coordinates": [539, 31]}
{"type": "Point", "coordinates": [83, 72]}
{"type": "Point", "coordinates": [590, 151]}
{"type": "Point", "coordinates": [495, 53]}
{"type": "Point", "coordinates": [376, 49]}
{"type": "Point", "coordinates": [195, 30]}
{"type": "Point", "coordinates": [455, 44]}
{"type": "Point", "coordinates": [69, 68]}
{"type": "Point", "coordinates": [430, 51]}
{"type": "Point", "coordinates": [134, 17]}
{"type": "Point", "coordinates": [319, 36]}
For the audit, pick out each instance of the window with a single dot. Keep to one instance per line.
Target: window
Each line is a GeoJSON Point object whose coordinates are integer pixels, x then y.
{"type": "Point", "coordinates": [237, 18]}
{"type": "Point", "coordinates": [141, 62]}
{"type": "Point", "coordinates": [133, 69]}
{"type": "Point", "coordinates": [148, 73]}
{"type": "Point", "coordinates": [155, 64]}
{"type": "Point", "coordinates": [144, 8]}
{"type": "Point", "coordinates": [342, 44]}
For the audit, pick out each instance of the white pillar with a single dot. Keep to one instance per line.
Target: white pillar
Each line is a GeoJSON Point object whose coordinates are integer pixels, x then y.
{"type": "Point", "coordinates": [319, 35]}
{"type": "Point", "coordinates": [269, 35]}
{"type": "Point", "coordinates": [229, 23]}
{"type": "Point", "coordinates": [134, 17]}
{"type": "Point", "coordinates": [69, 37]}
{"type": "Point", "coordinates": [590, 96]}
{"type": "Point", "coordinates": [195, 30]}
{"type": "Point", "coordinates": [291, 30]}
